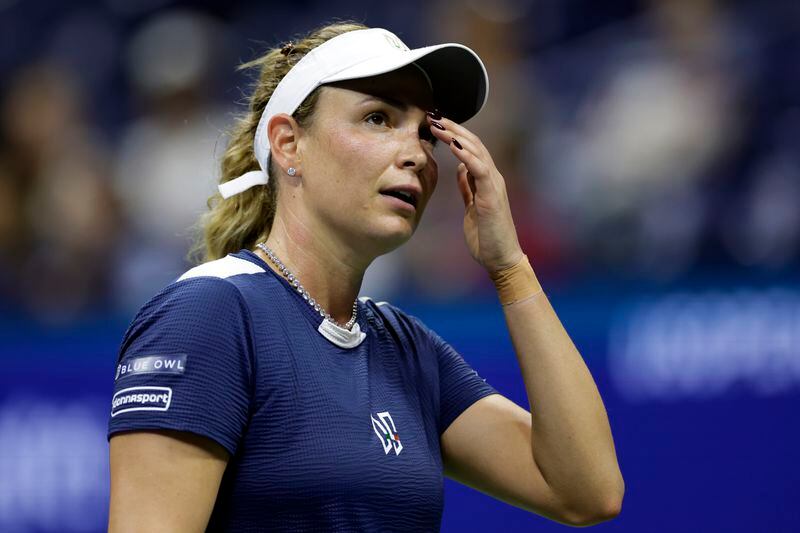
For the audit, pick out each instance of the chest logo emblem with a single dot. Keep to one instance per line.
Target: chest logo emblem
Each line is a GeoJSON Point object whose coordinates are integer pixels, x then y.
{"type": "Point", "coordinates": [387, 432]}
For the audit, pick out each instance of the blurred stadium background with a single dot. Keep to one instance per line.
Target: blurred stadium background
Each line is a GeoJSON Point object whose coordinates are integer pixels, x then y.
{"type": "Point", "coordinates": [651, 150]}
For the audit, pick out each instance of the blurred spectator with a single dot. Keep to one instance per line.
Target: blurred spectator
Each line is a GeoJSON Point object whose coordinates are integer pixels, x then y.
{"type": "Point", "coordinates": [625, 154]}
{"type": "Point", "coordinates": [762, 225]}
{"type": "Point", "coordinates": [652, 138]}
{"type": "Point", "coordinates": [167, 163]}
{"type": "Point", "coordinates": [60, 225]}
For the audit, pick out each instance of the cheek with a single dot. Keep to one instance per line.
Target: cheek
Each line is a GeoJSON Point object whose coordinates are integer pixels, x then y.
{"type": "Point", "coordinates": [431, 175]}
{"type": "Point", "coordinates": [340, 147]}
{"type": "Point", "coordinates": [353, 153]}
{"type": "Point", "coordinates": [434, 170]}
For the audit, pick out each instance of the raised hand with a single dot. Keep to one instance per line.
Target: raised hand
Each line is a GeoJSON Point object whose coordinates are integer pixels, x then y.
{"type": "Point", "coordinates": [489, 228]}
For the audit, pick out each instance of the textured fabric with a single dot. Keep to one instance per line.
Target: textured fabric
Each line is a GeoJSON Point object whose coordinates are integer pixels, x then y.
{"type": "Point", "coordinates": [321, 438]}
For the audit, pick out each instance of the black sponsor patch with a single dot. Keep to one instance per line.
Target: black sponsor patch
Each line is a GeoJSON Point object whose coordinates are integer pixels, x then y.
{"type": "Point", "coordinates": [152, 364]}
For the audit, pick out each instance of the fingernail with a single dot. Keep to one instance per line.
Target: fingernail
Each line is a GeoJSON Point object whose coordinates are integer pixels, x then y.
{"type": "Point", "coordinates": [434, 114]}
{"type": "Point", "coordinates": [437, 125]}
{"type": "Point", "coordinates": [458, 145]}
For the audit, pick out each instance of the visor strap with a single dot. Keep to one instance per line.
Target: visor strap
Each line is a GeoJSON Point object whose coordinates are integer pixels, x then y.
{"type": "Point", "coordinates": [242, 183]}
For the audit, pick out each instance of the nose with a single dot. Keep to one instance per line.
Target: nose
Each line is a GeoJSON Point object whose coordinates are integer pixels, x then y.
{"type": "Point", "coordinates": [413, 154]}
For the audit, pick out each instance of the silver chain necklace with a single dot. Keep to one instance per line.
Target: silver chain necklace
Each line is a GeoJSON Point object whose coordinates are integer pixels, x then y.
{"type": "Point", "coordinates": [294, 282]}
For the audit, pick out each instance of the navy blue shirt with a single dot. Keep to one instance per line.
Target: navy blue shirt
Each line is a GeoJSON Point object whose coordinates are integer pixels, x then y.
{"type": "Point", "coordinates": [321, 437]}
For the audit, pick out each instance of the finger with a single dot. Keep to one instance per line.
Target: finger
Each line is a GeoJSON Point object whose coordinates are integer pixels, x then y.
{"type": "Point", "coordinates": [455, 129]}
{"type": "Point", "coordinates": [467, 190]}
{"type": "Point", "coordinates": [476, 167]}
{"type": "Point", "coordinates": [466, 152]}
{"type": "Point", "coordinates": [446, 135]}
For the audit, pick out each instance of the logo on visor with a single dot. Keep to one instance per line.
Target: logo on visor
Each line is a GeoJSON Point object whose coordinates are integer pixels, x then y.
{"type": "Point", "coordinates": [387, 433]}
{"type": "Point", "coordinates": [397, 43]}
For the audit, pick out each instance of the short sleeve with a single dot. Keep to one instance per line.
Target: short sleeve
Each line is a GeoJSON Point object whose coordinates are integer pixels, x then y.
{"type": "Point", "coordinates": [185, 364]}
{"type": "Point", "coordinates": [459, 384]}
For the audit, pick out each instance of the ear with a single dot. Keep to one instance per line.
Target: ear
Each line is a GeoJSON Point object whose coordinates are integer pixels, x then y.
{"type": "Point", "coordinates": [283, 133]}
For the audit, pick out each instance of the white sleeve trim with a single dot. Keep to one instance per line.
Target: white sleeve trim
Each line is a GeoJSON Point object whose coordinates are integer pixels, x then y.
{"type": "Point", "coordinates": [222, 268]}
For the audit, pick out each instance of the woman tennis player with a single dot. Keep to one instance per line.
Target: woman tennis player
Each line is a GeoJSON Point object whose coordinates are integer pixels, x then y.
{"type": "Point", "coordinates": [257, 392]}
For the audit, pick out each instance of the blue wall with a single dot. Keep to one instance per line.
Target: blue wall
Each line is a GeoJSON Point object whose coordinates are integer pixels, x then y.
{"type": "Point", "coordinates": [706, 430]}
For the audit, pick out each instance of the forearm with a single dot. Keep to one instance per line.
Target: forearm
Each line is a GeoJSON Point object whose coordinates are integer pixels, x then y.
{"type": "Point", "coordinates": [573, 445]}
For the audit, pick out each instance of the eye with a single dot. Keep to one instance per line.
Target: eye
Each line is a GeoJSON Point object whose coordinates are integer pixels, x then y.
{"type": "Point", "coordinates": [378, 118]}
{"type": "Point", "coordinates": [426, 135]}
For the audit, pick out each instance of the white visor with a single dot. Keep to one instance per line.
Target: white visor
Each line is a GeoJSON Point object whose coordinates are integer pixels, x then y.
{"type": "Point", "coordinates": [455, 73]}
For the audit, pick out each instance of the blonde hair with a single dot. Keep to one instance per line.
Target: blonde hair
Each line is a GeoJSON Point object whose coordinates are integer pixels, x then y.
{"type": "Point", "coordinates": [246, 218]}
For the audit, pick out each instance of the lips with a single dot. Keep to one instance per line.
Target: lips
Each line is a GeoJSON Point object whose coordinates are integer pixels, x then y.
{"type": "Point", "coordinates": [408, 194]}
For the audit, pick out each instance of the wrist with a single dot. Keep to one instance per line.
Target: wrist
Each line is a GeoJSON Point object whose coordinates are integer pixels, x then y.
{"type": "Point", "coordinates": [516, 282]}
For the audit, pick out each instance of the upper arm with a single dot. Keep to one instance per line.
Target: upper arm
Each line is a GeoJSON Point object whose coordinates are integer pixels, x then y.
{"type": "Point", "coordinates": [186, 365]}
{"type": "Point", "coordinates": [488, 447]}
{"type": "Point", "coordinates": [169, 478]}
{"type": "Point", "coordinates": [485, 438]}
{"type": "Point", "coordinates": [181, 404]}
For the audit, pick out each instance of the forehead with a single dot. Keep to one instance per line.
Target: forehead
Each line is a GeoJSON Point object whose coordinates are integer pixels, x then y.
{"type": "Point", "coordinates": [408, 85]}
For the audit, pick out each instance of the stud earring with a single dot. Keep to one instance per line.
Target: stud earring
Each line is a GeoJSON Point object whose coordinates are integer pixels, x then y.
{"type": "Point", "coordinates": [291, 171]}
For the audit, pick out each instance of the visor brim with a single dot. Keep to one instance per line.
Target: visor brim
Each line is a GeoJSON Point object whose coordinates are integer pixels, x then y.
{"type": "Point", "coordinates": [458, 77]}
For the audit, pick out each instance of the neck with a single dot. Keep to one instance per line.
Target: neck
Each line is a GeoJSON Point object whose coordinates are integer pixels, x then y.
{"type": "Point", "coordinates": [329, 270]}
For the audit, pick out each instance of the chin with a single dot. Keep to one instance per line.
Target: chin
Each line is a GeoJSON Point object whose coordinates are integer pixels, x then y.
{"type": "Point", "coordinates": [390, 237]}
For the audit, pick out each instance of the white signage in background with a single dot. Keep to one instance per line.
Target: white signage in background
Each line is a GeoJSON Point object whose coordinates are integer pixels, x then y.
{"type": "Point", "coordinates": [699, 345]}
{"type": "Point", "coordinates": [53, 465]}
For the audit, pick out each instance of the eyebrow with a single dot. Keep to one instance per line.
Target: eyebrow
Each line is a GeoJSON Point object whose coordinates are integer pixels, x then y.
{"type": "Point", "coordinates": [402, 106]}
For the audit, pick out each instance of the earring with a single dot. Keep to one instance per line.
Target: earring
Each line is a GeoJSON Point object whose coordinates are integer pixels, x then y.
{"type": "Point", "coordinates": [291, 171]}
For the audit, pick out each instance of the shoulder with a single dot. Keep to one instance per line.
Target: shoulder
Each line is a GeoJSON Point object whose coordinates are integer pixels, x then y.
{"type": "Point", "coordinates": [399, 322]}
{"type": "Point", "coordinates": [226, 268]}
{"type": "Point", "coordinates": [212, 284]}
{"type": "Point", "coordinates": [385, 312]}
{"type": "Point", "coordinates": [208, 296]}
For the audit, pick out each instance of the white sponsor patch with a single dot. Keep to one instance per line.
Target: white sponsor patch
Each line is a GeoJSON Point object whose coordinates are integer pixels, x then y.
{"type": "Point", "coordinates": [141, 399]}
